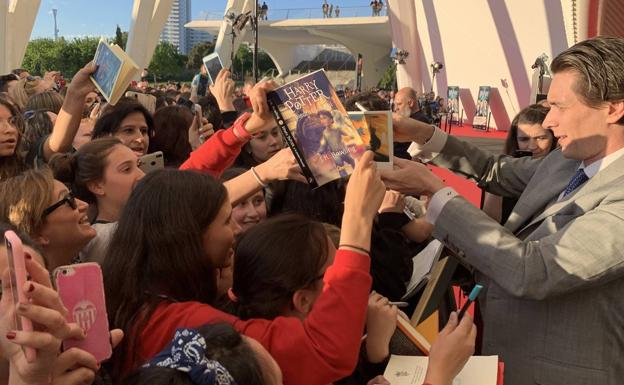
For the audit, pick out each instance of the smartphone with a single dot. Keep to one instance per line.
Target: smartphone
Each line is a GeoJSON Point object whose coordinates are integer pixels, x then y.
{"type": "Point", "coordinates": [17, 279]}
{"type": "Point", "coordinates": [185, 103]}
{"type": "Point", "coordinates": [214, 65]}
{"type": "Point", "coordinates": [148, 101]}
{"type": "Point", "coordinates": [197, 110]}
{"type": "Point", "coordinates": [152, 162]}
{"type": "Point", "coordinates": [522, 153]}
{"type": "Point", "coordinates": [81, 289]}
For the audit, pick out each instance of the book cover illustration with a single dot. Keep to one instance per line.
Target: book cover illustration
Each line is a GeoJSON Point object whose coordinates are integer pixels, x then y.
{"type": "Point", "coordinates": [375, 129]}
{"type": "Point", "coordinates": [108, 68]}
{"type": "Point", "coordinates": [317, 128]}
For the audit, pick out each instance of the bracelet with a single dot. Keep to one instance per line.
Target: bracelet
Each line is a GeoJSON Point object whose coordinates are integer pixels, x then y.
{"type": "Point", "coordinates": [239, 123]}
{"type": "Point", "coordinates": [360, 249]}
{"type": "Point", "coordinates": [260, 182]}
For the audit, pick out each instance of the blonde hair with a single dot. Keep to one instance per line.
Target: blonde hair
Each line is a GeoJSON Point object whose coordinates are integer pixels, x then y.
{"type": "Point", "coordinates": [23, 90]}
{"type": "Point", "coordinates": [24, 199]}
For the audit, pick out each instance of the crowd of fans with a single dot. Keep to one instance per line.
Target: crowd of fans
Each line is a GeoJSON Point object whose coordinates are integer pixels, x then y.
{"type": "Point", "coordinates": [226, 252]}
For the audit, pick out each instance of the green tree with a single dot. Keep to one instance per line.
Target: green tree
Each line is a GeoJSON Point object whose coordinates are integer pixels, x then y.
{"type": "Point", "coordinates": [167, 63]}
{"type": "Point", "coordinates": [66, 56]}
{"type": "Point", "coordinates": [119, 38]}
{"type": "Point", "coordinates": [197, 53]}
{"type": "Point", "coordinates": [388, 80]}
{"type": "Point", "coordinates": [242, 65]}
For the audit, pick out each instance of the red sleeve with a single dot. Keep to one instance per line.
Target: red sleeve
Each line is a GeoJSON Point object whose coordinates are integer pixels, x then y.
{"type": "Point", "coordinates": [218, 153]}
{"type": "Point", "coordinates": [322, 349]}
{"type": "Point", "coordinates": [325, 347]}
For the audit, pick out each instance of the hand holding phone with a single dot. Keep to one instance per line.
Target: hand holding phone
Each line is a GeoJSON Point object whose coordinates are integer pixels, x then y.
{"type": "Point", "coordinates": [17, 278]}
{"type": "Point", "coordinates": [81, 289]}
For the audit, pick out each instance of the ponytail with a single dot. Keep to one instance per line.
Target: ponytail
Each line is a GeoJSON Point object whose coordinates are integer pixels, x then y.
{"type": "Point", "coordinates": [85, 165]}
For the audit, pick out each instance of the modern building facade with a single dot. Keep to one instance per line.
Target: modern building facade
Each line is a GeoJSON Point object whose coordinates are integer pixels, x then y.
{"type": "Point", "coordinates": [174, 31]}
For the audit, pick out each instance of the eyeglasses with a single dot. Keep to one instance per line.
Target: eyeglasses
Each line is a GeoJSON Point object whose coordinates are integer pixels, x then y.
{"type": "Point", "coordinates": [70, 199]}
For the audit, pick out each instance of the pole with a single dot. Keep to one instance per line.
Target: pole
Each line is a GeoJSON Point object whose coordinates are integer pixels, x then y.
{"type": "Point", "coordinates": [255, 50]}
{"type": "Point", "coordinates": [55, 27]}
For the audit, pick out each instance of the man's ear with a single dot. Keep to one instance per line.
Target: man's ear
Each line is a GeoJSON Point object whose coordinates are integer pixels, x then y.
{"type": "Point", "coordinates": [302, 301]}
{"type": "Point", "coordinates": [616, 111]}
{"type": "Point", "coordinates": [96, 188]}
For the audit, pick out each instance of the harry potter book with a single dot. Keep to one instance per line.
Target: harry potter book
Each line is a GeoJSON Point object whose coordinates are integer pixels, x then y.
{"type": "Point", "coordinates": [317, 128]}
{"type": "Point", "coordinates": [114, 71]}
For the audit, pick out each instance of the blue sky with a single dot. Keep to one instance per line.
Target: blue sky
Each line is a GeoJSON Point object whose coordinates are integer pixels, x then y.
{"type": "Point", "coordinates": [76, 18]}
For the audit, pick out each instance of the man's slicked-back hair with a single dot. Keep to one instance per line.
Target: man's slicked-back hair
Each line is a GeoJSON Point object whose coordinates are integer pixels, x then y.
{"type": "Point", "coordinates": [599, 65]}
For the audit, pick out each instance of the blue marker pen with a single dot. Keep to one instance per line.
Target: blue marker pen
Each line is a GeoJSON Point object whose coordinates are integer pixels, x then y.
{"type": "Point", "coordinates": [473, 295]}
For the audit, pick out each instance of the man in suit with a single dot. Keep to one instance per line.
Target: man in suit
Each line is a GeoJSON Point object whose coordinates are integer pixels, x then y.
{"type": "Point", "coordinates": [555, 272]}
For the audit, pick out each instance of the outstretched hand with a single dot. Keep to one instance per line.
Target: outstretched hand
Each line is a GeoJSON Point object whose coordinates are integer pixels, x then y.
{"type": "Point", "coordinates": [407, 129]}
{"type": "Point", "coordinates": [281, 166]}
{"type": "Point", "coordinates": [223, 90]}
{"type": "Point", "coordinates": [411, 178]}
{"type": "Point", "coordinates": [451, 350]}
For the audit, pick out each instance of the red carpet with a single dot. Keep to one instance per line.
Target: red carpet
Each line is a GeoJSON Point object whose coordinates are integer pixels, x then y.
{"type": "Point", "coordinates": [467, 130]}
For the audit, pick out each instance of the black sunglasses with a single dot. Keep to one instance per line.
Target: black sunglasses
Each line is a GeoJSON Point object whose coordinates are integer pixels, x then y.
{"type": "Point", "coordinates": [70, 199]}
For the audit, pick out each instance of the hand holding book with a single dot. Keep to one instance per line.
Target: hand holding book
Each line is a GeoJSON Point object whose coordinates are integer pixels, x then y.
{"type": "Point", "coordinates": [262, 118]}
{"type": "Point", "coordinates": [280, 166]}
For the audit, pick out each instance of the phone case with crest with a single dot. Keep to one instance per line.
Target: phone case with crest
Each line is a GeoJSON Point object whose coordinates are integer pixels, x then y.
{"type": "Point", "coordinates": [81, 289]}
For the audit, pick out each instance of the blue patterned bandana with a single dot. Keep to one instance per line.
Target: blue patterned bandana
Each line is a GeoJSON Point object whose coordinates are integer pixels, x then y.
{"type": "Point", "coordinates": [187, 353]}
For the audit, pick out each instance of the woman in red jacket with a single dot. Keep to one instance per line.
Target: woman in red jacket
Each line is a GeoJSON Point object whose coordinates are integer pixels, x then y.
{"type": "Point", "coordinates": [160, 276]}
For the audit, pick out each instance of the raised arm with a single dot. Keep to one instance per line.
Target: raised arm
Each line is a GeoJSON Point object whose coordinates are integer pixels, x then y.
{"type": "Point", "coordinates": [280, 166]}
{"type": "Point", "coordinates": [68, 120]}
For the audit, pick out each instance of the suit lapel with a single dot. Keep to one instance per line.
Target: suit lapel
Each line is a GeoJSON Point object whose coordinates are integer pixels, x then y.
{"type": "Point", "coordinates": [549, 180]}
{"type": "Point", "coordinates": [608, 176]}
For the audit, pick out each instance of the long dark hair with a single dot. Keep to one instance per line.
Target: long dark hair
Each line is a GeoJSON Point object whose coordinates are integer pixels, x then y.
{"type": "Point", "coordinates": [223, 344]}
{"type": "Point", "coordinates": [323, 204]}
{"type": "Point", "coordinates": [273, 260]}
{"type": "Point", "coordinates": [158, 251]}
{"type": "Point", "coordinates": [533, 114]}
{"type": "Point", "coordinates": [14, 164]}
{"type": "Point", "coordinates": [171, 126]}
{"type": "Point", "coordinates": [111, 118]}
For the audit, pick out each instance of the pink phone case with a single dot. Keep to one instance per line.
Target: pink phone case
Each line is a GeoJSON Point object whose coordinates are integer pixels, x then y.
{"type": "Point", "coordinates": [81, 289]}
{"type": "Point", "coordinates": [18, 274]}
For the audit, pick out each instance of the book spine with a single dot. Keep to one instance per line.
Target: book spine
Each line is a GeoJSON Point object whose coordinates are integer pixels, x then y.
{"type": "Point", "coordinates": [290, 140]}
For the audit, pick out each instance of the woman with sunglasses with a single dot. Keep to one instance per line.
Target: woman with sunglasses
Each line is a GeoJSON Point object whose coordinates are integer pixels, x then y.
{"type": "Point", "coordinates": [48, 212]}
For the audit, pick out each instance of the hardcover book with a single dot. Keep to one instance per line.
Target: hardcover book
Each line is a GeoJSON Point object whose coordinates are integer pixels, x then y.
{"type": "Point", "coordinates": [115, 71]}
{"type": "Point", "coordinates": [317, 128]}
{"type": "Point", "coordinates": [375, 129]}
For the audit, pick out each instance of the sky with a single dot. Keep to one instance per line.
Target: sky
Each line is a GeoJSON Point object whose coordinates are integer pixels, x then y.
{"type": "Point", "coordinates": [78, 18]}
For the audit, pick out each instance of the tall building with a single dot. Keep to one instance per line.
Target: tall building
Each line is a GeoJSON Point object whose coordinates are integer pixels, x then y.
{"type": "Point", "coordinates": [194, 37]}
{"type": "Point", "coordinates": [174, 31]}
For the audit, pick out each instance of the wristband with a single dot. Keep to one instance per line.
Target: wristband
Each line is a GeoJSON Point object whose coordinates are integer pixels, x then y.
{"type": "Point", "coordinates": [360, 249]}
{"type": "Point", "coordinates": [260, 182]}
{"type": "Point", "coordinates": [243, 136]}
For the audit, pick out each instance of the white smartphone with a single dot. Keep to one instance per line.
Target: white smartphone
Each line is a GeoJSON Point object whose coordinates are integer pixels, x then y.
{"type": "Point", "coordinates": [213, 65]}
{"type": "Point", "coordinates": [152, 162]}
